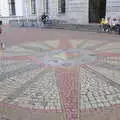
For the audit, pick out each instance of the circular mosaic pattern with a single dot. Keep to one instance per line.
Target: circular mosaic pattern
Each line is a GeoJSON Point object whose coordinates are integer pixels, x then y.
{"type": "Point", "coordinates": [38, 76]}
{"type": "Point", "coordinates": [69, 57]}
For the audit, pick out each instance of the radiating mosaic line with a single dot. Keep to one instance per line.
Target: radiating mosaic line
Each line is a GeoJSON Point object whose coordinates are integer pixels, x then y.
{"type": "Point", "coordinates": [78, 75]}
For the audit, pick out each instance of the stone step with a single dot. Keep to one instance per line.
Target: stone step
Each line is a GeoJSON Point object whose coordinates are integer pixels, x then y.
{"type": "Point", "coordinates": [56, 25]}
{"type": "Point", "coordinates": [75, 27]}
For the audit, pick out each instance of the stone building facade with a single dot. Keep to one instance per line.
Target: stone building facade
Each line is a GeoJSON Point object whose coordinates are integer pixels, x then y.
{"type": "Point", "coordinates": [72, 11]}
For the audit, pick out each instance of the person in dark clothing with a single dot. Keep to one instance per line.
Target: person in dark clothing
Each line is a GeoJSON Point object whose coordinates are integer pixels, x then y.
{"type": "Point", "coordinates": [0, 22]}
{"type": "Point", "coordinates": [2, 45]}
{"type": "Point", "coordinates": [0, 26]}
{"type": "Point", "coordinates": [118, 26]}
{"type": "Point", "coordinates": [44, 18]}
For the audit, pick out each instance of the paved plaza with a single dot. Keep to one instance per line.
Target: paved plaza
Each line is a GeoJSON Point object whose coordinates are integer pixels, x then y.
{"type": "Point", "coordinates": [59, 75]}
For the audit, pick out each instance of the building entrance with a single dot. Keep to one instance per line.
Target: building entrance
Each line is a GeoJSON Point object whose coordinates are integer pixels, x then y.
{"type": "Point", "coordinates": [97, 10]}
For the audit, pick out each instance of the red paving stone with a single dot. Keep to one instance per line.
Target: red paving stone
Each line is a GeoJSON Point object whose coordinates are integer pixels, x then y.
{"type": "Point", "coordinates": [14, 36]}
{"type": "Point", "coordinates": [69, 91]}
{"type": "Point", "coordinates": [109, 54]}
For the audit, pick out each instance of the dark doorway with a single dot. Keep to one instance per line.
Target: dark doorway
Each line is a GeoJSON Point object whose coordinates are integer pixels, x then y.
{"type": "Point", "coordinates": [97, 10]}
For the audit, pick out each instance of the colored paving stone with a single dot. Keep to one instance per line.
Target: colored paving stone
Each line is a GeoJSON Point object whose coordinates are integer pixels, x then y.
{"type": "Point", "coordinates": [60, 80]}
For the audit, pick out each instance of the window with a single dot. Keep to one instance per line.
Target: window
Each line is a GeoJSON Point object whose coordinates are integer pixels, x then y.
{"type": "Point", "coordinates": [33, 6]}
{"type": "Point", "coordinates": [12, 7]}
{"type": "Point", "coordinates": [61, 6]}
{"type": "Point", "coordinates": [46, 6]}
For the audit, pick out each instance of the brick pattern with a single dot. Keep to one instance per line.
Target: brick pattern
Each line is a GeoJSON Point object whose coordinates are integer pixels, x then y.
{"type": "Point", "coordinates": [69, 92]}
{"type": "Point", "coordinates": [26, 82]}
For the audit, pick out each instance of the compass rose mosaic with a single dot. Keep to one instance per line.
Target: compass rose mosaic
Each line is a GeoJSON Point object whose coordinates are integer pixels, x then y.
{"type": "Point", "coordinates": [59, 77]}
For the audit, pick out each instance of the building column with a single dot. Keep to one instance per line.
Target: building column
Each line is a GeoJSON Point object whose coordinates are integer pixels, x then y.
{"type": "Point", "coordinates": [19, 7]}
{"type": "Point", "coordinates": [4, 7]}
{"type": "Point", "coordinates": [27, 8]}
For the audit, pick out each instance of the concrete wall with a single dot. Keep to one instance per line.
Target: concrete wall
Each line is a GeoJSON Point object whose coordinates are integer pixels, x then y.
{"type": "Point", "coordinates": [19, 7]}
{"type": "Point", "coordinates": [39, 7]}
{"type": "Point", "coordinates": [4, 8]}
{"type": "Point", "coordinates": [53, 8]}
{"type": "Point", "coordinates": [76, 11]}
{"type": "Point", "coordinates": [26, 8]}
{"type": "Point", "coordinates": [113, 8]}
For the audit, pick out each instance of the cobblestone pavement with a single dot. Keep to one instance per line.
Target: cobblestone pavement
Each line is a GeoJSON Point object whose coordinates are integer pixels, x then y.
{"type": "Point", "coordinates": [60, 80]}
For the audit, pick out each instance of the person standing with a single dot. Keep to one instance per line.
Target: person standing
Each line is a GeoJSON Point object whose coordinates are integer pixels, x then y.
{"type": "Point", "coordinates": [103, 24]}
{"type": "Point", "coordinates": [0, 26]}
{"type": "Point", "coordinates": [44, 18]}
{"type": "Point", "coordinates": [118, 26]}
{"type": "Point", "coordinates": [2, 45]}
